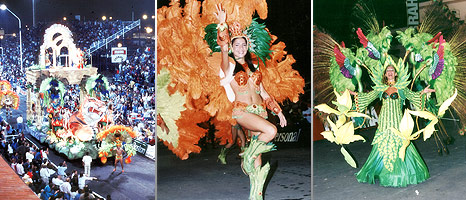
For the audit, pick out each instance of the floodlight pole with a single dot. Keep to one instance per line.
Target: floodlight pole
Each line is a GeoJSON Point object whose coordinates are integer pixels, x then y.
{"type": "Point", "coordinates": [20, 41]}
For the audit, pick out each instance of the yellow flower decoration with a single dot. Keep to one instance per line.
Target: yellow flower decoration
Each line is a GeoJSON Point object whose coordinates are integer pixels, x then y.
{"type": "Point", "coordinates": [344, 104]}
{"type": "Point", "coordinates": [407, 125]}
{"type": "Point", "coordinates": [342, 135]}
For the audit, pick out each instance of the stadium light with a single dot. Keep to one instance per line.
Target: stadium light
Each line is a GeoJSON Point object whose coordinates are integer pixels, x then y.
{"type": "Point", "coordinates": [3, 7]}
{"type": "Point", "coordinates": [144, 16]}
{"type": "Point", "coordinates": [110, 18]}
{"type": "Point", "coordinates": [148, 30]}
{"type": "Point", "coordinates": [64, 18]}
{"type": "Point", "coordinates": [104, 17]}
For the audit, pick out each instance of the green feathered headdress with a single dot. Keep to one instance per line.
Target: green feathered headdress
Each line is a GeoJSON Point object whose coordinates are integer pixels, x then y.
{"type": "Point", "coordinates": [258, 37]}
{"type": "Point", "coordinates": [47, 85]}
{"type": "Point", "coordinates": [401, 69]}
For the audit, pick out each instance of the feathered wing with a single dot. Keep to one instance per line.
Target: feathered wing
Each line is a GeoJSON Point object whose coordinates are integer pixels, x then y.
{"type": "Point", "coordinates": [279, 78]}
{"type": "Point", "coordinates": [436, 50]}
{"type": "Point", "coordinates": [327, 63]}
{"type": "Point", "coordinates": [169, 107]}
{"type": "Point", "coordinates": [182, 123]}
{"type": "Point", "coordinates": [458, 47]}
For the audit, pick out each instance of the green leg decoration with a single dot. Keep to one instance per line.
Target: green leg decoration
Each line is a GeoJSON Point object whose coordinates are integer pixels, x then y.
{"type": "Point", "coordinates": [250, 154]}
{"type": "Point", "coordinates": [222, 157]}
{"type": "Point", "coordinates": [257, 180]}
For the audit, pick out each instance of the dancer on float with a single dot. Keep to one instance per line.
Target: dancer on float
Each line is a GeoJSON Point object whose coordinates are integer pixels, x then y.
{"type": "Point", "coordinates": [251, 98]}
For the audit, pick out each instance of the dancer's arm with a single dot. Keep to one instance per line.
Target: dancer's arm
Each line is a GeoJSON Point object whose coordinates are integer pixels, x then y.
{"type": "Point", "coordinates": [273, 106]}
{"type": "Point", "coordinates": [362, 99]}
{"type": "Point", "coordinates": [222, 36]}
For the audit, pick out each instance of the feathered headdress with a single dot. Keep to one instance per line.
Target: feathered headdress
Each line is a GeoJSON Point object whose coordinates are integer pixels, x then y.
{"type": "Point", "coordinates": [256, 35]}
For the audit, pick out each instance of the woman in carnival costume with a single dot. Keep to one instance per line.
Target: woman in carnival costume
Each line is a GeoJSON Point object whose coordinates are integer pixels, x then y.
{"type": "Point", "coordinates": [208, 96]}
{"type": "Point", "coordinates": [383, 162]}
{"type": "Point", "coordinates": [250, 96]}
{"type": "Point", "coordinates": [434, 62]}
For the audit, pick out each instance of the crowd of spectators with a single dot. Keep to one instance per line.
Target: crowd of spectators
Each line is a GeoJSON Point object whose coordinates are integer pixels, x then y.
{"type": "Point", "coordinates": [138, 73]}
{"type": "Point", "coordinates": [132, 92]}
{"type": "Point", "coordinates": [44, 178]}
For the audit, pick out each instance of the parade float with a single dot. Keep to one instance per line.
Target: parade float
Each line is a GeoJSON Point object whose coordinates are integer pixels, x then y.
{"type": "Point", "coordinates": [70, 132]}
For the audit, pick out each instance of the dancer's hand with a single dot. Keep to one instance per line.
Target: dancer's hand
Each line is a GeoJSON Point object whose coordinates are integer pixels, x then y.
{"type": "Point", "coordinates": [352, 92]}
{"type": "Point", "coordinates": [221, 14]}
{"type": "Point", "coordinates": [282, 119]}
{"type": "Point", "coordinates": [427, 90]}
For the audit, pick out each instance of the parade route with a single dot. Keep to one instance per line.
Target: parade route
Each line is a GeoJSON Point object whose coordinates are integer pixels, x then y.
{"type": "Point", "coordinates": [137, 182]}
{"type": "Point", "coordinates": [201, 177]}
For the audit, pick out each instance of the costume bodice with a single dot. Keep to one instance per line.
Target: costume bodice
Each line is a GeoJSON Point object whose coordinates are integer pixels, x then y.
{"type": "Point", "coordinates": [390, 92]}
{"type": "Point", "coordinates": [392, 96]}
{"type": "Point", "coordinates": [242, 77]}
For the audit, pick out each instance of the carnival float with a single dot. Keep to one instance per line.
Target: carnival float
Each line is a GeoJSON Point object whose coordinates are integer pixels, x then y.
{"type": "Point", "coordinates": [87, 125]}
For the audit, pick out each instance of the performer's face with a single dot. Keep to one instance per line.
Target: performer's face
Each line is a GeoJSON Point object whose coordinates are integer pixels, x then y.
{"type": "Point", "coordinates": [239, 47]}
{"type": "Point", "coordinates": [390, 73]}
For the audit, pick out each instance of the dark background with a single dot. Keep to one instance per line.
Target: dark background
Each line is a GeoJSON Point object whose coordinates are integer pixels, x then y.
{"type": "Point", "coordinates": [90, 10]}
{"type": "Point", "coordinates": [335, 17]}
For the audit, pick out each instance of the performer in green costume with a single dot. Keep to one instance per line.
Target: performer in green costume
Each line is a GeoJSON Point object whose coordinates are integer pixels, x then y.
{"type": "Point", "coordinates": [433, 62]}
{"type": "Point", "coordinates": [383, 162]}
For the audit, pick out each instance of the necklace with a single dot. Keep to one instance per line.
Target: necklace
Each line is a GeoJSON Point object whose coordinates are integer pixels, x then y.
{"type": "Point", "coordinates": [391, 82]}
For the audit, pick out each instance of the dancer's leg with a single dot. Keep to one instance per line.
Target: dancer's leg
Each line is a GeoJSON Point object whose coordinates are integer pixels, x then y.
{"type": "Point", "coordinates": [240, 134]}
{"type": "Point", "coordinates": [258, 124]}
{"type": "Point", "coordinates": [233, 137]}
{"type": "Point", "coordinates": [260, 127]}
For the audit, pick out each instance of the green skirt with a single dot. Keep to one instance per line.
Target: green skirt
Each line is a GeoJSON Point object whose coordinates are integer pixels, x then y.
{"type": "Point", "coordinates": [412, 170]}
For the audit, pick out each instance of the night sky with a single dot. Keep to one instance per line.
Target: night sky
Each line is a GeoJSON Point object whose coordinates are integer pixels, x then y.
{"type": "Point", "coordinates": [55, 10]}
{"type": "Point", "coordinates": [335, 17]}
{"type": "Point", "coordinates": [291, 23]}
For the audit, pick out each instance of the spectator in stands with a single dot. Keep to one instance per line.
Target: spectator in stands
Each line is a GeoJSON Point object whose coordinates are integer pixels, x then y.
{"type": "Point", "coordinates": [82, 180]}
{"type": "Point", "coordinates": [20, 168]}
{"type": "Point", "coordinates": [57, 180]}
{"type": "Point", "coordinates": [19, 123]}
{"type": "Point", "coordinates": [47, 192]}
{"type": "Point", "coordinates": [87, 194]}
{"type": "Point", "coordinates": [45, 173]}
{"type": "Point", "coordinates": [65, 187]}
{"type": "Point", "coordinates": [29, 156]}
{"type": "Point", "coordinates": [61, 169]}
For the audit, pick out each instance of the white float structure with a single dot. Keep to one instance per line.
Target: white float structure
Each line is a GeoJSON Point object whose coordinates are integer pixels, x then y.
{"type": "Point", "coordinates": [57, 37]}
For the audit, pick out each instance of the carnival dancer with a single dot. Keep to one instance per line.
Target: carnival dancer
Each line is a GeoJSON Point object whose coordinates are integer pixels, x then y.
{"type": "Point", "coordinates": [379, 165]}
{"type": "Point", "coordinates": [243, 78]}
{"type": "Point", "coordinates": [119, 156]}
{"type": "Point", "coordinates": [183, 106]}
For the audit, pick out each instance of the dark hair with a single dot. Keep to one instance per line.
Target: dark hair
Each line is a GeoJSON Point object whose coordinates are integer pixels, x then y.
{"type": "Point", "coordinates": [247, 59]}
{"type": "Point", "coordinates": [385, 79]}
